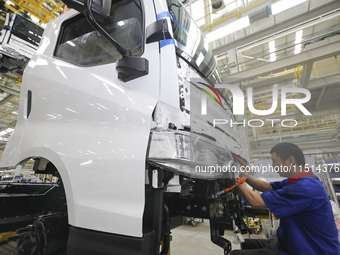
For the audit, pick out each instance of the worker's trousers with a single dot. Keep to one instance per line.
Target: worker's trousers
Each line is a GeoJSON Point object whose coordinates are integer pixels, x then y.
{"type": "Point", "coordinates": [257, 247]}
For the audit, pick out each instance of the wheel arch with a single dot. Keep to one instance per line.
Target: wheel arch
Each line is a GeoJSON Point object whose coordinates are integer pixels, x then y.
{"type": "Point", "coordinates": [47, 159]}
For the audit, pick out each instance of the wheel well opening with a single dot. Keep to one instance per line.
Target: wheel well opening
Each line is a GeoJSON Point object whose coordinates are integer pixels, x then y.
{"type": "Point", "coordinates": [34, 215]}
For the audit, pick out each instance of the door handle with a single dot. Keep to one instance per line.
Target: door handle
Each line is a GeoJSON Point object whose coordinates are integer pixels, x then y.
{"type": "Point", "coordinates": [28, 103]}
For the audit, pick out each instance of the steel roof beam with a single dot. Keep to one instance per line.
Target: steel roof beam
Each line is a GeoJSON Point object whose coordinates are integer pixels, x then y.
{"type": "Point", "coordinates": [266, 85]}
{"type": "Point", "coordinates": [290, 23]}
{"type": "Point", "coordinates": [324, 82]}
{"type": "Point", "coordinates": [320, 97]}
{"type": "Point", "coordinates": [305, 57]}
{"type": "Point", "coordinates": [9, 90]}
{"type": "Point", "coordinates": [306, 73]}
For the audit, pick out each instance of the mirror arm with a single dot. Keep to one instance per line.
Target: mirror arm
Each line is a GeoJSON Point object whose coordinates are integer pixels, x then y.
{"type": "Point", "coordinates": [89, 16]}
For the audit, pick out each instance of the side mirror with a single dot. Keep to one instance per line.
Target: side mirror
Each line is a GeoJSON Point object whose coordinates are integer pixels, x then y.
{"type": "Point", "coordinates": [130, 68]}
{"type": "Point", "coordinates": [158, 31]}
{"type": "Point", "coordinates": [100, 8]}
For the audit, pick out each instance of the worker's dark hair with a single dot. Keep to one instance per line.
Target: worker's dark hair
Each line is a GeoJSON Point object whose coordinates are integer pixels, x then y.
{"type": "Point", "coordinates": [285, 150]}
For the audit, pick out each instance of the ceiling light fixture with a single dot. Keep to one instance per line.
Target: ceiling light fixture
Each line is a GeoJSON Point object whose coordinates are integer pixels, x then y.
{"type": "Point", "coordinates": [298, 40]}
{"type": "Point", "coordinates": [228, 29]}
{"type": "Point", "coordinates": [283, 5]}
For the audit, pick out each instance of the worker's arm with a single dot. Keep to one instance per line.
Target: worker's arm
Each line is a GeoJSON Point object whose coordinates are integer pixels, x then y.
{"type": "Point", "coordinates": [259, 184]}
{"type": "Point", "coordinates": [254, 199]}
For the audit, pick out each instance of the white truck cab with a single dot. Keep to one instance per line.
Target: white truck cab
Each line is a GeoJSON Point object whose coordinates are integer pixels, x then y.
{"type": "Point", "coordinates": [107, 122]}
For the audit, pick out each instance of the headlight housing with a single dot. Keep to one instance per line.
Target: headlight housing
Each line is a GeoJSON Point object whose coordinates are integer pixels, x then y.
{"type": "Point", "coordinates": [190, 154]}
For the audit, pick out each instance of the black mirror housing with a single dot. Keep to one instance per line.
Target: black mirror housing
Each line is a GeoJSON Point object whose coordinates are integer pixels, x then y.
{"type": "Point", "coordinates": [101, 8]}
{"type": "Point", "coordinates": [158, 31]}
{"type": "Point", "coordinates": [130, 68]}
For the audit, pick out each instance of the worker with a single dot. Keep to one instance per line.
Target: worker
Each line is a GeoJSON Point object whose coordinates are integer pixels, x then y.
{"type": "Point", "coordinates": [300, 201]}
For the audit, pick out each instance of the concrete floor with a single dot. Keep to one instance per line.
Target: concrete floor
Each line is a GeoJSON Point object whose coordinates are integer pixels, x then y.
{"type": "Point", "coordinates": [190, 240]}
{"type": "Point", "coordinates": [186, 240]}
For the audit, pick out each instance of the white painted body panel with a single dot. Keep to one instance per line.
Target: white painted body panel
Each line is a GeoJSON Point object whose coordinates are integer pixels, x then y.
{"type": "Point", "coordinates": [168, 108]}
{"type": "Point", "coordinates": [94, 128]}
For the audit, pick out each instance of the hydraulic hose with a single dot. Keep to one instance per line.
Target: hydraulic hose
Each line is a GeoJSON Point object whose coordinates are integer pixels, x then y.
{"type": "Point", "coordinates": [238, 180]}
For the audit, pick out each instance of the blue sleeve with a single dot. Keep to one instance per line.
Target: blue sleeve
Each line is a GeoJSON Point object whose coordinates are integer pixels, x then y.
{"type": "Point", "coordinates": [287, 201]}
{"type": "Point", "coordinates": [279, 184]}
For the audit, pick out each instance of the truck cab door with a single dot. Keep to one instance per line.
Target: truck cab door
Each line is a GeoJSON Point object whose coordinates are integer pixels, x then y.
{"type": "Point", "coordinates": [94, 124]}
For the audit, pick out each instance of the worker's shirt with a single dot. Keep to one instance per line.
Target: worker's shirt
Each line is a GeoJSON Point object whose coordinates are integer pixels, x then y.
{"type": "Point", "coordinates": [307, 224]}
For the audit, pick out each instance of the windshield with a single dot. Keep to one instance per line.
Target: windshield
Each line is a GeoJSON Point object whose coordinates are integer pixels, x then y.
{"type": "Point", "coordinates": [80, 44]}
{"type": "Point", "coordinates": [191, 44]}
{"type": "Point", "coordinates": [27, 30]}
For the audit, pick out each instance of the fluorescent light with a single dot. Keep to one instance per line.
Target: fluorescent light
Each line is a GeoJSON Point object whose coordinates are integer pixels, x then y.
{"type": "Point", "coordinates": [272, 57]}
{"type": "Point", "coordinates": [298, 40]}
{"type": "Point", "coordinates": [272, 51]}
{"type": "Point", "coordinates": [228, 29]}
{"type": "Point", "coordinates": [285, 5]}
{"type": "Point", "coordinates": [297, 49]}
{"type": "Point", "coordinates": [272, 46]}
{"type": "Point", "coordinates": [298, 36]}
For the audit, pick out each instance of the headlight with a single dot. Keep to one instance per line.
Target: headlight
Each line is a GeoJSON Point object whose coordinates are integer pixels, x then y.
{"type": "Point", "coordinates": [190, 154]}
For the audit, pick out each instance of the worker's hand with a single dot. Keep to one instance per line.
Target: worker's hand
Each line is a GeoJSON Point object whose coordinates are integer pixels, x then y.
{"type": "Point", "coordinates": [243, 173]}
{"type": "Point", "coordinates": [241, 180]}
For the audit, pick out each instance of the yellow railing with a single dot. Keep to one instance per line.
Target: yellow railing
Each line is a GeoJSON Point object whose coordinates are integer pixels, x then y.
{"type": "Point", "coordinates": [235, 13]}
{"type": "Point", "coordinates": [265, 103]}
{"type": "Point", "coordinates": [304, 125]}
{"type": "Point", "coordinates": [266, 100]}
{"type": "Point", "coordinates": [43, 10]}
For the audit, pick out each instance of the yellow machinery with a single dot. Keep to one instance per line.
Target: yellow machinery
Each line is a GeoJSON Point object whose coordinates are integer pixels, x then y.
{"type": "Point", "coordinates": [43, 10]}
